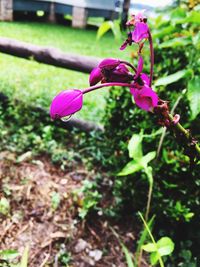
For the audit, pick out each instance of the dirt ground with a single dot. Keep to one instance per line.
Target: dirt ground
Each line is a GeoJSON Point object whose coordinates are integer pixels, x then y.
{"type": "Point", "coordinates": [54, 233]}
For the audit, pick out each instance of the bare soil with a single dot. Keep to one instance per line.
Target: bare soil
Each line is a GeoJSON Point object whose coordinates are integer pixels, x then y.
{"type": "Point", "coordinates": [49, 232]}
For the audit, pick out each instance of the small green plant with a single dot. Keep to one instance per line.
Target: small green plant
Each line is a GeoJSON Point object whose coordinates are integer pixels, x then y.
{"type": "Point", "coordinates": [4, 206]}
{"type": "Point", "coordinates": [64, 256]}
{"type": "Point", "coordinates": [8, 256]}
{"type": "Point", "coordinates": [157, 250]}
{"type": "Point", "coordinates": [140, 162]}
{"type": "Point", "coordinates": [55, 200]}
{"type": "Point", "coordinates": [87, 197]}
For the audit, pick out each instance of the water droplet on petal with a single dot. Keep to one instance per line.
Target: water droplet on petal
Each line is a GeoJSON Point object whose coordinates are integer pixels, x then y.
{"type": "Point", "coordinates": [66, 118]}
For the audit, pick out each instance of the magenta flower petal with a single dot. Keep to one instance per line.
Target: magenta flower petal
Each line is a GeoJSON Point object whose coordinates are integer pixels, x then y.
{"type": "Point", "coordinates": [122, 69]}
{"type": "Point", "coordinates": [139, 67]}
{"type": "Point", "coordinates": [124, 45]}
{"type": "Point", "coordinates": [145, 78]}
{"type": "Point", "coordinates": [66, 103]}
{"type": "Point", "coordinates": [140, 32]}
{"type": "Point", "coordinates": [95, 76]}
{"type": "Point", "coordinates": [145, 98]}
{"type": "Point", "coordinates": [109, 63]}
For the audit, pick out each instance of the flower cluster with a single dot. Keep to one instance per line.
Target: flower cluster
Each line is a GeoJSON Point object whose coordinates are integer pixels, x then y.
{"type": "Point", "coordinates": [115, 72]}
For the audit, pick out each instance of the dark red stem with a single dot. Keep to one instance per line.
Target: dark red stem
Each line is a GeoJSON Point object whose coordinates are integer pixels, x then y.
{"type": "Point", "coordinates": [92, 88]}
{"type": "Point", "coordinates": [151, 58]}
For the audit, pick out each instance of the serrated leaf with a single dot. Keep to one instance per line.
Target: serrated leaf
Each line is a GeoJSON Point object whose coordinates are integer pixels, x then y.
{"type": "Point", "coordinates": [135, 146]}
{"type": "Point", "coordinates": [193, 95]}
{"type": "Point", "coordinates": [165, 246]}
{"type": "Point", "coordinates": [150, 247]}
{"type": "Point", "coordinates": [173, 77]}
{"type": "Point", "coordinates": [105, 26]}
{"type": "Point", "coordinates": [130, 168]}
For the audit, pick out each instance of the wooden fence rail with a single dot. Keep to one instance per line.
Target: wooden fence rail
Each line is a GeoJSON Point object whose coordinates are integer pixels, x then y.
{"type": "Point", "coordinates": [48, 55]}
{"type": "Point", "coordinates": [56, 58]}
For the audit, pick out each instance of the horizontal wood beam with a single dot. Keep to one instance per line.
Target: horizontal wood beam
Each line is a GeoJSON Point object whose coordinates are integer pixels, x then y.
{"type": "Point", "coordinates": [48, 55]}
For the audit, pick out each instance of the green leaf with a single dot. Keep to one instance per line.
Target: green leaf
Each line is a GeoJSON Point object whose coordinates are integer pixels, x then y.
{"type": "Point", "coordinates": [165, 246]}
{"type": "Point", "coordinates": [175, 42]}
{"type": "Point", "coordinates": [135, 146]}
{"type": "Point", "coordinates": [24, 260]}
{"type": "Point", "coordinates": [4, 206]}
{"type": "Point", "coordinates": [150, 247]}
{"type": "Point", "coordinates": [109, 25]}
{"type": "Point", "coordinates": [173, 77]}
{"type": "Point", "coordinates": [105, 26]}
{"type": "Point", "coordinates": [160, 33]}
{"type": "Point", "coordinates": [188, 216]}
{"type": "Point", "coordinates": [116, 30]}
{"type": "Point", "coordinates": [9, 254]}
{"type": "Point", "coordinates": [178, 13]}
{"type": "Point", "coordinates": [55, 200]}
{"type": "Point", "coordinates": [193, 17]}
{"type": "Point", "coordinates": [193, 95]}
{"type": "Point", "coordinates": [132, 167]}
{"type": "Point", "coordinates": [147, 158]}
{"type": "Point", "coordinates": [127, 255]}
{"type": "Point", "coordinates": [154, 257]}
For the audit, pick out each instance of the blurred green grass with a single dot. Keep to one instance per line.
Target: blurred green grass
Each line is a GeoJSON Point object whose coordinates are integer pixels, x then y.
{"type": "Point", "coordinates": [37, 83]}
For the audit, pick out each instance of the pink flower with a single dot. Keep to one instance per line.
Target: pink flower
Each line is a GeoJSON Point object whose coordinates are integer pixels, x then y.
{"type": "Point", "coordinates": [110, 70]}
{"type": "Point", "coordinates": [140, 32]}
{"type": "Point", "coordinates": [145, 98]}
{"type": "Point", "coordinates": [66, 103]}
{"type": "Point", "coordinates": [95, 76]}
{"type": "Point", "coordinates": [139, 17]}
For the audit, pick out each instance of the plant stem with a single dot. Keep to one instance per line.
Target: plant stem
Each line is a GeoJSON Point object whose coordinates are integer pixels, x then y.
{"type": "Point", "coordinates": [148, 202]}
{"type": "Point", "coordinates": [92, 88]}
{"type": "Point", "coordinates": [151, 58]}
{"type": "Point", "coordinates": [181, 130]}
{"type": "Point", "coordinates": [129, 64]}
{"type": "Point", "coordinates": [165, 128]}
{"type": "Point", "coordinates": [152, 238]}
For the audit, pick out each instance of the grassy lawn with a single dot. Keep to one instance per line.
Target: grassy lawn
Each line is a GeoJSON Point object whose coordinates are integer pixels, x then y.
{"type": "Point", "coordinates": [38, 83]}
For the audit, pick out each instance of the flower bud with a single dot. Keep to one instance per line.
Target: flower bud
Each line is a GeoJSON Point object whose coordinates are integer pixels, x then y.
{"type": "Point", "coordinates": [109, 63]}
{"type": "Point", "coordinates": [95, 76]}
{"type": "Point", "coordinates": [66, 103]}
{"type": "Point", "coordinates": [120, 74]}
